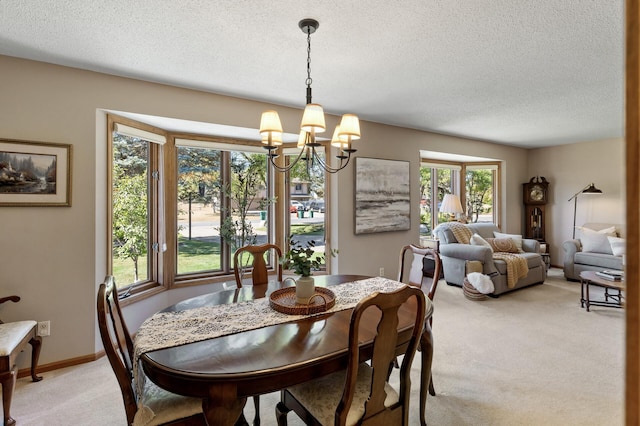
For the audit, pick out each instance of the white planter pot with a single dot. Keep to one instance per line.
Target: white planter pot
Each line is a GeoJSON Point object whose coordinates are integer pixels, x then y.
{"type": "Point", "coordinates": [305, 288]}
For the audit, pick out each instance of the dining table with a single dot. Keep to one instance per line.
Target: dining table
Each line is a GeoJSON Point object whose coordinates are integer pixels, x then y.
{"type": "Point", "coordinates": [258, 359]}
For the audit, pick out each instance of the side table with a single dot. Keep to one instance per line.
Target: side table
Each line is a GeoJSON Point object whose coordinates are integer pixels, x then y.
{"type": "Point", "coordinates": [589, 278]}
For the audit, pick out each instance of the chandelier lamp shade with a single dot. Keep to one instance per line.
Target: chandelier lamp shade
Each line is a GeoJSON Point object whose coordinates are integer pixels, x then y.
{"type": "Point", "coordinates": [312, 123]}
{"type": "Point", "coordinates": [587, 190]}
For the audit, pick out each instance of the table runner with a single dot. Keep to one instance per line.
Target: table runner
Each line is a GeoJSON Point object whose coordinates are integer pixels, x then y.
{"type": "Point", "coordinates": [170, 329]}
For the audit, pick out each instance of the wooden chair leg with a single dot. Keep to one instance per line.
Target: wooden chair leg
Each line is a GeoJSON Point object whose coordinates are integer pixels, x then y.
{"type": "Point", "coordinates": [432, 390]}
{"type": "Point", "coordinates": [256, 404]}
{"type": "Point", "coordinates": [36, 345]}
{"type": "Point", "coordinates": [281, 414]}
{"type": "Point", "coordinates": [8, 381]}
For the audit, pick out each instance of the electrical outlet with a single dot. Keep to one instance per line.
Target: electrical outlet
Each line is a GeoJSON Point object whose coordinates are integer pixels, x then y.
{"type": "Point", "coordinates": [381, 272]}
{"type": "Point", "coordinates": [44, 328]}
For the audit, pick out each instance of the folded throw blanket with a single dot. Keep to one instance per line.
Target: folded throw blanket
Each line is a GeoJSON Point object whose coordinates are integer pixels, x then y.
{"type": "Point", "coordinates": [516, 266]}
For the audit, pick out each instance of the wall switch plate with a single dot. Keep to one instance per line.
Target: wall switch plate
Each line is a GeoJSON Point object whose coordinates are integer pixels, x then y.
{"type": "Point", "coordinates": [381, 272]}
{"type": "Point", "coordinates": [44, 328]}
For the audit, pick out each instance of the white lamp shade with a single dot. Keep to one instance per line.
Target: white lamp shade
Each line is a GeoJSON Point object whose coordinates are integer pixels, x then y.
{"type": "Point", "coordinates": [313, 119]}
{"type": "Point", "coordinates": [336, 140]}
{"type": "Point", "coordinates": [276, 138]}
{"type": "Point", "coordinates": [302, 139]}
{"type": "Point", "coordinates": [270, 122]}
{"type": "Point", "coordinates": [349, 127]}
{"type": "Point", "coordinates": [451, 204]}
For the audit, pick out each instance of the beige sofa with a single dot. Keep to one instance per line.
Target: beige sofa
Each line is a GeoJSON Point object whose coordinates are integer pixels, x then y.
{"type": "Point", "coordinates": [593, 251]}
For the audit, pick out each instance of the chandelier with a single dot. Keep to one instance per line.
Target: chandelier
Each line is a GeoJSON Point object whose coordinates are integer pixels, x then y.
{"type": "Point", "coordinates": [312, 123]}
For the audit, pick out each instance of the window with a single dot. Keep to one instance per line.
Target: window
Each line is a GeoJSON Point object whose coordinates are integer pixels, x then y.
{"type": "Point", "coordinates": [306, 193]}
{"type": "Point", "coordinates": [134, 241]}
{"type": "Point", "coordinates": [475, 183]}
{"type": "Point", "coordinates": [480, 184]}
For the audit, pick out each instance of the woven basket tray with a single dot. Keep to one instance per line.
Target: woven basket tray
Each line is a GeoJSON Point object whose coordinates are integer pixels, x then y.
{"type": "Point", "coordinates": [470, 291]}
{"type": "Point", "coordinates": [284, 300]}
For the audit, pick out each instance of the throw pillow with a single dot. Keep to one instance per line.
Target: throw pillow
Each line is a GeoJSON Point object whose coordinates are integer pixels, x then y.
{"type": "Point", "coordinates": [516, 239]}
{"type": "Point", "coordinates": [477, 240]}
{"type": "Point", "coordinates": [595, 242]}
{"type": "Point", "coordinates": [618, 246]}
{"type": "Point", "coordinates": [610, 231]}
{"type": "Point", "coordinates": [504, 245]}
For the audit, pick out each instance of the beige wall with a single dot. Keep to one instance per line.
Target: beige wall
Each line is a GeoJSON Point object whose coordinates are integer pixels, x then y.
{"type": "Point", "coordinates": [54, 257]}
{"type": "Point", "coordinates": [569, 168]}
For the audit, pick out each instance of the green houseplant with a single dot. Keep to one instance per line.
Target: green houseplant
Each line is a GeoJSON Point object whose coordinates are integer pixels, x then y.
{"type": "Point", "coordinates": [303, 260]}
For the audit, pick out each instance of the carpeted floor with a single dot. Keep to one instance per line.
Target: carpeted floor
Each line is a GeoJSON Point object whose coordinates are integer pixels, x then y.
{"type": "Point", "coordinates": [531, 357]}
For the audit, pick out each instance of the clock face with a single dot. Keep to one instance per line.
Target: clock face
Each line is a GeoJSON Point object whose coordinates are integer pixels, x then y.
{"type": "Point", "coordinates": [536, 193]}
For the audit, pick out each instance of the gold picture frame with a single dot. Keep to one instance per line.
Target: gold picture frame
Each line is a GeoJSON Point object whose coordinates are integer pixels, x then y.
{"type": "Point", "coordinates": [35, 174]}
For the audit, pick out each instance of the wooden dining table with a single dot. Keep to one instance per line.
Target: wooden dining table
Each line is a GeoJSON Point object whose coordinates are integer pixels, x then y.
{"type": "Point", "coordinates": [225, 370]}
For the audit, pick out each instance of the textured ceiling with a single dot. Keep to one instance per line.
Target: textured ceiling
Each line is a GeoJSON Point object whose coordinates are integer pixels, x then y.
{"type": "Point", "coordinates": [516, 72]}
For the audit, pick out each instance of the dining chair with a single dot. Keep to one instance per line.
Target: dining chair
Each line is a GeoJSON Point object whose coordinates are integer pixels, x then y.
{"type": "Point", "coordinates": [361, 394]}
{"type": "Point", "coordinates": [168, 408]}
{"type": "Point", "coordinates": [259, 272]}
{"type": "Point", "coordinates": [425, 264]}
{"type": "Point", "coordinates": [14, 337]}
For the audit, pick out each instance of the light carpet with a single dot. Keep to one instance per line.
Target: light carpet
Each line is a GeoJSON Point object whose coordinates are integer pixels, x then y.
{"type": "Point", "coordinates": [529, 357]}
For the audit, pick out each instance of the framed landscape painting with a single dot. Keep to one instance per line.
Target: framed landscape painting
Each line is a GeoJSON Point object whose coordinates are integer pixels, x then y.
{"type": "Point", "coordinates": [34, 173]}
{"type": "Point", "coordinates": [382, 196]}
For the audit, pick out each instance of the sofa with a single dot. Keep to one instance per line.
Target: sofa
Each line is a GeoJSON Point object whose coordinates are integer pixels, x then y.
{"type": "Point", "coordinates": [599, 246]}
{"type": "Point", "coordinates": [457, 256]}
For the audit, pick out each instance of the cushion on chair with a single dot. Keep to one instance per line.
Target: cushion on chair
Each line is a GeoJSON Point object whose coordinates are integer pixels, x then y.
{"type": "Point", "coordinates": [321, 396]}
{"type": "Point", "coordinates": [12, 333]}
{"type": "Point", "coordinates": [517, 239]}
{"type": "Point", "coordinates": [161, 406]}
{"type": "Point", "coordinates": [415, 274]}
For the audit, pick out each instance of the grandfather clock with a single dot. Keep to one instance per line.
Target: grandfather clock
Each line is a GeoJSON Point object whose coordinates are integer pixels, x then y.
{"type": "Point", "coordinates": [535, 196]}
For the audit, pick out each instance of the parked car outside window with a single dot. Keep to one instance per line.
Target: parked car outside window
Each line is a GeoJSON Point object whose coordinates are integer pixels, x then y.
{"type": "Point", "coordinates": [317, 206]}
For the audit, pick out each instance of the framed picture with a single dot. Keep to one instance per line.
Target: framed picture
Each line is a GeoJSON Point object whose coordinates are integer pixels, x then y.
{"type": "Point", "coordinates": [383, 199]}
{"type": "Point", "coordinates": [34, 173]}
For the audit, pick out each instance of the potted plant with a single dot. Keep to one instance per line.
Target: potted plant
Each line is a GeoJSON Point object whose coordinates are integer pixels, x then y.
{"type": "Point", "coordinates": [303, 260]}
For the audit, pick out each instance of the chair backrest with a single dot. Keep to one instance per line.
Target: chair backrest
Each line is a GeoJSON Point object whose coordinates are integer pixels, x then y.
{"type": "Point", "coordinates": [384, 354]}
{"type": "Point", "coordinates": [417, 271]}
{"type": "Point", "coordinates": [117, 343]}
{"type": "Point", "coordinates": [14, 299]}
{"type": "Point", "coordinates": [259, 271]}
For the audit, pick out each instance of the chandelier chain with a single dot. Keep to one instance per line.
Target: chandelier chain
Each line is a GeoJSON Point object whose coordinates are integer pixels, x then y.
{"type": "Point", "coordinates": [308, 81]}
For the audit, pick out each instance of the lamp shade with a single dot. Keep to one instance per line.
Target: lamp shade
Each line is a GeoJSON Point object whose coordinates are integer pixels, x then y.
{"type": "Point", "coordinates": [591, 189]}
{"type": "Point", "coordinates": [302, 139]}
{"type": "Point", "coordinates": [270, 122]}
{"type": "Point", "coordinates": [336, 140]}
{"type": "Point", "coordinates": [451, 204]}
{"type": "Point", "coordinates": [349, 127]}
{"type": "Point", "coordinates": [313, 119]}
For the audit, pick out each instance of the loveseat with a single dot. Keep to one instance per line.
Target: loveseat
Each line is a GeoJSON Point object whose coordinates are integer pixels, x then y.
{"type": "Point", "coordinates": [455, 257]}
{"type": "Point", "coordinates": [599, 246]}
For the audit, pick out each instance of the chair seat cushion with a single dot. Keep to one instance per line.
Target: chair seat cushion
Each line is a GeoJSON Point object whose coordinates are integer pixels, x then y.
{"type": "Point", "coordinates": [12, 333]}
{"type": "Point", "coordinates": [161, 406]}
{"type": "Point", "coordinates": [321, 396]}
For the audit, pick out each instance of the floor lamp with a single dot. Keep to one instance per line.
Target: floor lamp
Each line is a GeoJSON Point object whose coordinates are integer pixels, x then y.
{"type": "Point", "coordinates": [589, 189]}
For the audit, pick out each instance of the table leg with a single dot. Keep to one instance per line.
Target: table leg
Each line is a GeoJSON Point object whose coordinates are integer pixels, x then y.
{"type": "Point", "coordinates": [426, 349]}
{"type": "Point", "coordinates": [587, 301]}
{"type": "Point", "coordinates": [581, 293]}
{"type": "Point", "coordinates": [223, 408]}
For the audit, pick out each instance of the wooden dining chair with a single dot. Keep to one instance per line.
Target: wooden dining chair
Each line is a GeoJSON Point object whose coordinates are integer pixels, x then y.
{"type": "Point", "coordinates": [259, 272]}
{"type": "Point", "coordinates": [14, 337]}
{"type": "Point", "coordinates": [425, 265]}
{"type": "Point", "coordinates": [361, 394]}
{"type": "Point", "coordinates": [168, 408]}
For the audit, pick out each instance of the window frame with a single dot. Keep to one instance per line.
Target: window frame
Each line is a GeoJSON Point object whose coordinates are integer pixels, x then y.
{"type": "Point", "coordinates": [458, 184]}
